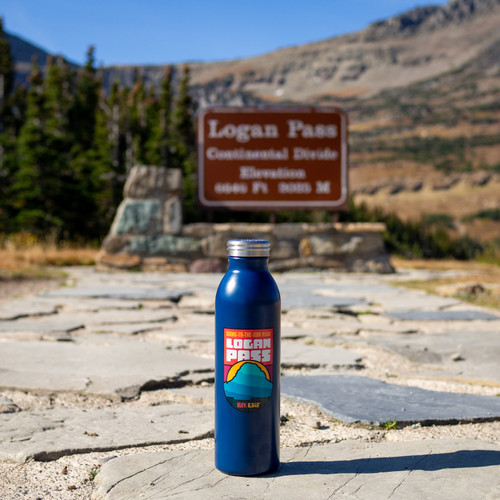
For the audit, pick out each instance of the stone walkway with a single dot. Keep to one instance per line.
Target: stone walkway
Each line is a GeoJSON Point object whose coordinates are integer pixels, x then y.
{"type": "Point", "coordinates": [106, 391]}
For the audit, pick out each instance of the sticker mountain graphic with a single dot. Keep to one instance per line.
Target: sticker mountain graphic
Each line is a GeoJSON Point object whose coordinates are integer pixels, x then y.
{"type": "Point", "coordinates": [250, 382]}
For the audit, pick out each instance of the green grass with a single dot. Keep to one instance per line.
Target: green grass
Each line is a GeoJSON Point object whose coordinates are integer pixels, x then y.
{"type": "Point", "coordinates": [491, 214]}
{"type": "Point", "coordinates": [391, 424]}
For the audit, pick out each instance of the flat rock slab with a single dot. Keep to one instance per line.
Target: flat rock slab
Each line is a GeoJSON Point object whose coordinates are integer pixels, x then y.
{"type": "Point", "coordinates": [193, 394]}
{"type": "Point", "coordinates": [38, 328]}
{"type": "Point", "coordinates": [50, 434]}
{"type": "Point", "coordinates": [108, 320]}
{"type": "Point", "coordinates": [22, 308]}
{"type": "Point", "coordinates": [298, 299]}
{"type": "Point", "coordinates": [123, 293]}
{"type": "Point", "coordinates": [106, 365]}
{"type": "Point", "coordinates": [123, 328]}
{"type": "Point", "coordinates": [313, 331]}
{"type": "Point", "coordinates": [442, 315]}
{"type": "Point", "coordinates": [75, 304]}
{"type": "Point", "coordinates": [182, 333]}
{"type": "Point", "coordinates": [116, 316]}
{"type": "Point", "coordinates": [463, 354]}
{"type": "Point", "coordinates": [354, 399]}
{"type": "Point", "coordinates": [298, 355]}
{"type": "Point", "coordinates": [307, 294]}
{"type": "Point", "coordinates": [350, 469]}
{"type": "Point", "coordinates": [387, 296]}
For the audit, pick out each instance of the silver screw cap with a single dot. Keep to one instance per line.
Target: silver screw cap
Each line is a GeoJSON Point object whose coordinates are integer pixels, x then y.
{"type": "Point", "coordinates": [248, 248]}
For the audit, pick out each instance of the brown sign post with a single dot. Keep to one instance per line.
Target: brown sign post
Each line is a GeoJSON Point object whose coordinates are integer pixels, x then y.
{"type": "Point", "coordinates": [271, 158]}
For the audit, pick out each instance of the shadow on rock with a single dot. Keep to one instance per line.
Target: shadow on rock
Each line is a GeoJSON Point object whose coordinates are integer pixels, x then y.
{"type": "Point", "coordinates": [429, 462]}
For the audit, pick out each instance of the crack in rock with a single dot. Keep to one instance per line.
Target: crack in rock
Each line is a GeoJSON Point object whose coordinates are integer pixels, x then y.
{"type": "Point", "coordinates": [410, 471]}
{"type": "Point", "coordinates": [172, 491]}
{"type": "Point", "coordinates": [134, 391]}
{"type": "Point", "coordinates": [126, 478]}
{"type": "Point", "coordinates": [50, 456]}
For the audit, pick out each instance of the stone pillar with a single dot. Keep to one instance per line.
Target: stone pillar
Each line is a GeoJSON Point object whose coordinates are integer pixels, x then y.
{"type": "Point", "coordinates": [147, 221]}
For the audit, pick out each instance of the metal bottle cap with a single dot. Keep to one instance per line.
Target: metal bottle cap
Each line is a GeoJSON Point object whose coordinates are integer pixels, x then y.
{"type": "Point", "coordinates": [248, 248]}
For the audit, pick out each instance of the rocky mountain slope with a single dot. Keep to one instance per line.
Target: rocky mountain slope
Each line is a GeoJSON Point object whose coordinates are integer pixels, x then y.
{"type": "Point", "coordinates": [414, 46]}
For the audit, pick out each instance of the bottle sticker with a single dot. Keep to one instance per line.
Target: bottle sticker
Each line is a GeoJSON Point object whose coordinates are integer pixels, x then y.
{"type": "Point", "coordinates": [248, 368]}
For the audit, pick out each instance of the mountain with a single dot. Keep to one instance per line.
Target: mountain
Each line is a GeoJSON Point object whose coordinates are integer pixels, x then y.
{"type": "Point", "coordinates": [392, 53]}
{"type": "Point", "coordinates": [422, 90]}
{"type": "Point", "coordinates": [23, 52]}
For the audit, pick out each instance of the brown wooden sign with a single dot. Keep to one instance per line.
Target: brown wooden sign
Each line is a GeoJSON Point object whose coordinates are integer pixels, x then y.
{"type": "Point", "coordinates": [269, 158]}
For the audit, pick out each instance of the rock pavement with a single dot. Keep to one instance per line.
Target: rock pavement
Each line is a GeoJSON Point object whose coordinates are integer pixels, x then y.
{"type": "Point", "coordinates": [349, 469]}
{"type": "Point", "coordinates": [106, 390]}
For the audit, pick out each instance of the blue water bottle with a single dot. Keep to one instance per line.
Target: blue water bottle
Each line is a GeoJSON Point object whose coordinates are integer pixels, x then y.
{"type": "Point", "coordinates": [247, 363]}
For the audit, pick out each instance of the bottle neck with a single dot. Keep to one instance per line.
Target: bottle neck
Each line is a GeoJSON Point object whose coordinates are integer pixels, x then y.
{"type": "Point", "coordinates": [254, 263]}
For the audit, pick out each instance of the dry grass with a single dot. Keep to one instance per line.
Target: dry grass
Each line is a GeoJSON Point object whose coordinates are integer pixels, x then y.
{"type": "Point", "coordinates": [477, 283]}
{"type": "Point", "coordinates": [479, 268]}
{"type": "Point", "coordinates": [458, 201]}
{"type": "Point", "coordinates": [25, 256]}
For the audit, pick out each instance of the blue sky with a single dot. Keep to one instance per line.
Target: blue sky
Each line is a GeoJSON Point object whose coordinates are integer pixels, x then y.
{"type": "Point", "coordinates": [173, 31]}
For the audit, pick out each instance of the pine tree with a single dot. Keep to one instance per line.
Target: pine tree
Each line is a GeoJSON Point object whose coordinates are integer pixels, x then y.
{"type": "Point", "coordinates": [136, 134]}
{"type": "Point", "coordinates": [67, 196]}
{"type": "Point", "coordinates": [159, 143]}
{"type": "Point", "coordinates": [35, 184]}
{"type": "Point", "coordinates": [6, 79]}
{"type": "Point", "coordinates": [183, 116]}
{"type": "Point", "coordinates": [58, 102]}
{"type": "Point", "coordinates": [7, 130]}
{"type": "Point", "coordinates": [113, 120]}
{"type": "Point", "coordinates": [19, 100]}
{"type": "Point", "coordinates": [185, 148]}
{"type": "Point", "coordinates": [118, 137]}
{"type": "Point", "coordinates": [151, 145]}
{"type": "Point", "coordinates": [83, 115]}
{"type": "Point", "coordinates": [86, 220]}
{"type": "Point", "coordinates": [105, 166]}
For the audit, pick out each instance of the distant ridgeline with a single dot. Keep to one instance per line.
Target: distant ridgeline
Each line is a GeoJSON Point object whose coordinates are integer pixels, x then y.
{"type": "Point", "coordinates": [302, 72]}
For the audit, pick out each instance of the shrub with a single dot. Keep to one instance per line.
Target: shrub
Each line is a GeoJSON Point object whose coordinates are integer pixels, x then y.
{"type": "Point", "coordinates": [417, 239]}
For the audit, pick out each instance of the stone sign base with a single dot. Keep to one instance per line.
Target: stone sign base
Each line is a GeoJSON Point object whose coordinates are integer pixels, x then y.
{"type": "Point", "coordinates": [202, 247]}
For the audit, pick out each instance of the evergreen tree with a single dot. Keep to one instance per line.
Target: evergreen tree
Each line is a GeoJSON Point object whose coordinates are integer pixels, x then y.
{"type": "Point", "coordinates": [68, 197]}
{"type": "Point", "coordinates": [151, 145]}
{"type": "Point", "coordinates": [136, 124]}
{"type": "Point", "coordinates": [183, 117]}
{"type": "Point", "coordinates": [185, 147]}
{"type": "Point", "coordinates": [57, 98]}
{"type": "Point", "coordinates": [7, 130]}
{"type": "Point", "coordinates": [107, 175]}
{"type": "Point", "coordinates": [36, 184]}
{"type": "Point", "coordinates": [119, 125]}
{"type": "Point", "coordinates": [18, 99]}
{"type": "Point", "coordinates": [83, 115]}
{"type": "Point", "coordinates": [159, 143]}
{"type": "Point", "coordinates": [113, 113]}
{"type": "Point", "coordinates": [87, 219]}
{"type": "Point", "coordinates": [6, 79]}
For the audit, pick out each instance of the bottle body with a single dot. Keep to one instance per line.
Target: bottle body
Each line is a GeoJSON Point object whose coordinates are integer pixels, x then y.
{"type": "Point", "coordinates": [247, 371]}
